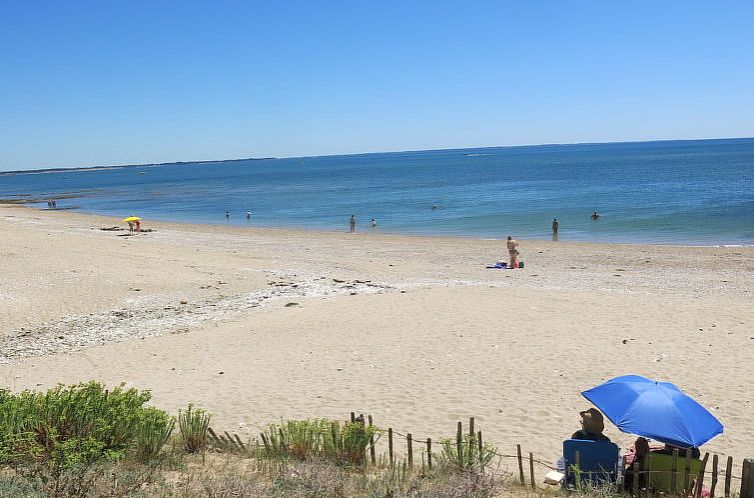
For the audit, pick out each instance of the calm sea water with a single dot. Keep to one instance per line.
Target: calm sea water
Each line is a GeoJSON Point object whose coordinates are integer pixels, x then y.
{"type": "Point", "coordinates": [678, 192]}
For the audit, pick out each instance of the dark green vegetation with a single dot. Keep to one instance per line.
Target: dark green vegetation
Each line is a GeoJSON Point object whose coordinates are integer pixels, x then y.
{"type": "Point", "coordinates": [56, 439]}
{"type": "Point", "coordinates": [86, 441]}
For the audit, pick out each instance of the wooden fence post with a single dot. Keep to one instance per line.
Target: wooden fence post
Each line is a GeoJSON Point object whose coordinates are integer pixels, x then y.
{"type": "Point", "coordinates": [213, 435]}
{"type": "Point", "coordinates": [714, 477]}
{"type": "Point", "coordinates": [531, 470]}
{"type": "Point", "coordinates": [410, 447]}
{"type": "Point", "coordinates": [700, 476]}
{"type": "Point", "coordinates": [266, 444]}
{"type": "Point", "coordinates": [459, 445]}
{"type": "Point", "coordinates": [728, 471]}
{"type": "Point", "coordinates": [390, 446]}
{"type": "Point", "coordinates": [674, 474]}
{"type": "Point", "coordinates": [429, 453]}
{"type": "Point", "coordinates": [520, 466]}
{"type": "Point", "coordinates": [372, 454]}
{"type": "Point", "coordinates": [479, 442]}
{"type": "Point", "coordinates": [644, 474]}
{"type": "Point", "coordinates": [230, 439]}
{"type": "Point", "coordinates": [635, 483]}
{"type": "Point", "coordinates": [471, 445]}
{"type": "Point", "coordinates": [686, 472]}
{"type": "Point", "coordinates": [747, 479]}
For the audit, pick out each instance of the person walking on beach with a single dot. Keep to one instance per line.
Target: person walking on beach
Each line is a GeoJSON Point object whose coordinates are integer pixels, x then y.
{"type": "Point", "coordinates": [555, 226]}
{"type": "Point", "coordinates": [352, 223]}
{"type": "Point", "coordinates": [512, 251]}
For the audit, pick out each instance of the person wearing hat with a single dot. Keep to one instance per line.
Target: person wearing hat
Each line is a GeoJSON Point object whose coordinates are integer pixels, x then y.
{"type": "Point", "coordinates": [592, 425]}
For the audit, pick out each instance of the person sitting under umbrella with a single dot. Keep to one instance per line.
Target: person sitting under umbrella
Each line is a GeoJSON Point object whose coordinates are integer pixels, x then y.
{"type": "Point", "coordinates": [592, 425]}
{"type": "Point", "coordinates": [134, 223]}
{"type": "Point", "coordinates": [655, 410]}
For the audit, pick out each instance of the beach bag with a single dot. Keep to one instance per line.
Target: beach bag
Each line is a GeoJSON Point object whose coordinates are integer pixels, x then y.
{"type": "Point", "coordinates": [520, 264]}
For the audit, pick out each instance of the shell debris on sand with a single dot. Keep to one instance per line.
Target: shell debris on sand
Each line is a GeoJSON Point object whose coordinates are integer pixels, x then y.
{"type": "Point", "coordinates": [152, 316]}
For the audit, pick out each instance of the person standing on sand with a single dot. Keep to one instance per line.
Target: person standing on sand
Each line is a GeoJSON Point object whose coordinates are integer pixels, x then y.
{"type": "Point", "coordinates": [352, 223]}
{"type": "Point", "coordinates": [512, 251]}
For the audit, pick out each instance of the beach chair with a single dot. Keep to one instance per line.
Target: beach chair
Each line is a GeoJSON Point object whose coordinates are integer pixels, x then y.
{"type": "Point", "coordinates": [593, 462]}
{"type": "Point", "coordinates": [660, 466]}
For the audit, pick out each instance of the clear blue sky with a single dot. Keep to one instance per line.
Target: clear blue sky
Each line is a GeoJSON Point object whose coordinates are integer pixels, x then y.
{"type": "Point", "coordinates": [115, 82]}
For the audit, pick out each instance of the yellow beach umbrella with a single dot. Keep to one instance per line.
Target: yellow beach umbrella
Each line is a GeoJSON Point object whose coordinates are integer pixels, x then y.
{"type": "Point", "coordinates": [132, 218]}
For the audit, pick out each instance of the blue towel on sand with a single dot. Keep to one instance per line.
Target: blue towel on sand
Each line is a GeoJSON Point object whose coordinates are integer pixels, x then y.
{"type": "Point", "coordinates": [498, 266]}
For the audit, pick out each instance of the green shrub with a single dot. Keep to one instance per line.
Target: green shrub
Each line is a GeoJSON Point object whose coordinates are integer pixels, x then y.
{"type": "Point", "coordinates": [153, 433]}
{"type": "Point", "coordinates": [193, 424]}
{"type": "Point", "coordinates": [347, 444]}
{"type": "Point", "coordinates": [56, 437]}
{"type": "Point", "coordinates": [298, 439]}
{"type": "Point", "coordinates": [465, 454]}
{"type": "Point", "coordinates": [71, 425]}
{"type": "Point", "coordinates": [319, 439]}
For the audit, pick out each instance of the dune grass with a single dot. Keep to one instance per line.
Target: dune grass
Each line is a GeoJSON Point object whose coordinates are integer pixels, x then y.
{"type": "Point", "coordinates": [85, 441]}
{"type": "Point", "coordinates": [193, 424]}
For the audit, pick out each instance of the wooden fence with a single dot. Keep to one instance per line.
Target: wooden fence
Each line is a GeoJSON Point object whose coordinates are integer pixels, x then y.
{"type": "Point", "coordinates": [409, 447]}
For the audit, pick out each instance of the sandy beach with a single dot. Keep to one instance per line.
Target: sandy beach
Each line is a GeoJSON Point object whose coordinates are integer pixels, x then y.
{"type": "Point", "coordinates": [261, 324]}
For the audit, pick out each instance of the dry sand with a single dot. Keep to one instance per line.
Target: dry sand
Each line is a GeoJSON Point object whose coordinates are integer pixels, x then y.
{"type": "Point", "coordinates": [412, 330]}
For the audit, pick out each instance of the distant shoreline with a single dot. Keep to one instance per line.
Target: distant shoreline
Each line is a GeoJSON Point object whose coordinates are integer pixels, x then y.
{"type": "Point", "coordinates": [124, 166]}
{"type": "Point", "coordinates": [407, 151]}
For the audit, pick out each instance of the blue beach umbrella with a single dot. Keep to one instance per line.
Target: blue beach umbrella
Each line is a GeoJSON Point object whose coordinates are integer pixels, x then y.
{"type": "Point", "coordinates": [656, 410]}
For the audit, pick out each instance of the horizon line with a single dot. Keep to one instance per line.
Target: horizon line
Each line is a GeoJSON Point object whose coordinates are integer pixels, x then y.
{"type": "Point", "coordinates": [547, 144]}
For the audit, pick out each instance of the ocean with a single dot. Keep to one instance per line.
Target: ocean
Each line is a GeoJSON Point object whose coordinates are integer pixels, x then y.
{"type": "Point", "coordinates": [695, 192]}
